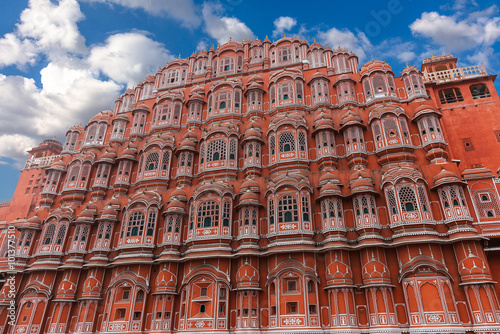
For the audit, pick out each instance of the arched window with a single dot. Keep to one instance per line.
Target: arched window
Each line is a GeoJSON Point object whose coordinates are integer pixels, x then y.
{"type": "Point", "coordinates": [208, 214]}
{"type": "Point", "coordinates": [226, 213]}
{"type": "Point", "coordinates": [287, 142]}
{"type": "Point", "coordinates": [272, 145]}
{"type": "Point", "coordinates": [379, 84]}
{"type": "Point", "coordinates": [61, 233]}
{"type": "Point", "coordinates": [285, 91]}
{"type": "Point", "coordinates": [136, 223]}
{"type": "Point", "coordinates": [284, 54]}
{"type": "Point", "coordinates": [152, 161]}
{"type": "Point", "coordinates": [226, 65]}
{"type": "Point", "coordinates": [271, 211]}
{"type": "Point", "coordinates": [288, 210]}
{"type": "Point", "coordinates": [305, 208]}
{"type": "Point", "coordinates": [216, 150]}
{"type": "Point", "coordinates": [151, 223]}
{"type": "Point", "coordinates": [49, 234]}
{"type": "Point", "coordinates": [479, 91]}
{"type": "Point", "coordinates": [173, 76]}
{"type": "Point", "coordinates": [450, 95]}
{"type": "Point", "coordinates": [407, 199]}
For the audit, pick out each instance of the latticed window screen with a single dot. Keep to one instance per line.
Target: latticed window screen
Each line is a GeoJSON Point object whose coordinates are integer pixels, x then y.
{"type": "Point", "coordinates": [379, 84]}
{"type": "Point", "coordinates": [177, 224]}
{"type": "Point", "coordinates": [288, 210]}
{"type": "Point", "coordinates": [232, 149]}
{"type": "Point", "coordinates": [100, 231]}
{"type": "Point", "coordinates": [392, 86]}
{"type": "Point", "coordinates": [407, 199]}
{"type": "Point", "coordinates": [284, 54]}
{"type": "Point", "coordinates": [245, 217]}
{"type": "Point", "coordinates": [208, 214]}
{"type": "Point", "coordinates": [254, 217]}
{"type": "Point", "coordinates": [373, 207]}
{"type": "Point", "coordinates": [454, 197]}
{"type": "Point", "coordinates": [109, 228]}
{"type": "Point", "coordinates": [366, 86]}
{"type": "Point", "coordinates": [226, 213]}
{"type": "Point", "coordinates": [216, 150]}
{"type": "Point", "coordinates": [85, 233]}
{"type": "Point", "coordinates": [49, 234]}
{"type": "Point", "coordinates": [173, 76]}
{"type": "Point", "coordinates": [302, 141]}
{"type": "Point", "coordinates": [273, 94]}
{"type": "Point", "coordinates": [391, 198]}
{"type": "Point", "coordinates": [287, 142]}
{"type": "Point", "coordinates": [135, 225]}
{"type": "Point", "coordinates": [170, 224]}
{"type": "Point", "coordinates": [190, 159]}
{"type": "Point", "coordinates": [152, 161]}
{"type": "Point", "coordinates": [177, 113]}
{"type": "Point", "coordinates": [285, 91]}
{"type": "Point", "coordinates": [202, 153]}
{"type": "Point", "coordinates": [299, 89]}
{"type": "Point", "coordinates": [271, 211]}
{"type": "Point", "coordinates": [305, 208]}
{"type": "Point", "coordinates": [85, 172]}
{"type": "Point", "coordinates": [151, 223]}
{"type": "Point", "coordinates": [390, 127]}
{"type": "Point", "coordinates": [272, 145]}
{"type": "Point", "coordinates": [223, 100]}
{"type": "Point", "coordinates": [191, 216]}
{"type": "Point", "coordinates": [422, 197]}
{"type": "Point", "coordinates": [60, 235]}
{"type": "Point", "coordinates": [29, 237]}
{"type": "Point", "coordinates": [226, 65]}
{"type": "Point", "coordinates": [77, 233]}
{"type": "Point", "coordinates": [165, 161]}
{"type": "Point", "coordinates": [404, 127]}
{"type": "Point", "coordinates": [237, 98]}
{"type": "Point", "coordinates": [376, 131]}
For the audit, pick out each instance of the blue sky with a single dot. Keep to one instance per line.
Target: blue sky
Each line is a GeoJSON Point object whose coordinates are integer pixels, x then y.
{"type": "Point", "coordinates": [62, 61]}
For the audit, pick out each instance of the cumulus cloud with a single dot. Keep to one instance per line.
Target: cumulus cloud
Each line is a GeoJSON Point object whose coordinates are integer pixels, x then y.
{"type": "Point", "coordinates": [15, 147]}
{"type": "Point", "coordinates": [358, 42]}
{"type": "Point", "coordinates": [53, 27]}
{"type": "Point", "coordinates": [14, 51]}
{"type": "Point", "coordinates": [182, 10]}
{"type": "Point", "coordinates": [282, 24]}
{"type": "Point", "coordinates": [222, 27]}
{"type": "Point", "coordinates": [128, 57]}
{"type": "Point", "coordinates": [457, 34]}
{"type": "Point", "coordinates": [76, 83]}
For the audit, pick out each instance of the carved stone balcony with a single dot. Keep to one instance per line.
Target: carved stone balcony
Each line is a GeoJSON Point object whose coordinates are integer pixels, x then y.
{"type": "Point", "coordinates": [455, 74]}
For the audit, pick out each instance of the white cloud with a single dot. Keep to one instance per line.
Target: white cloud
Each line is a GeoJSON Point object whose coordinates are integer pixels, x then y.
{"type": "Point", "coordinates": [182, 10]}
{"type": "Point", "coordinates": [282, 24]}
{"type": "Point", "coordinates": [128, 57]}
{"type": "Point", "coordinates": [53, 27]}
{"type": "Point", "coordinates": [15, 147]}
{"type": "Point", "coordinates": [358, 42]}
{"type": "Point", "coordinates": [202, 45]}
{"type": "Point", "coordinates": [222, 27]}
{"type": "Point", "coordinates": [406, 56]}
{"type": "Point", "coordinates": [456, 34]}
{"type": "Point", "coordinates": [14, 51]}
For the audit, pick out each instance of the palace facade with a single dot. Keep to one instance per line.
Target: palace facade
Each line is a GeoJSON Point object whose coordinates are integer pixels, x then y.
{"type": "Point", "coordinates": [265, 187]}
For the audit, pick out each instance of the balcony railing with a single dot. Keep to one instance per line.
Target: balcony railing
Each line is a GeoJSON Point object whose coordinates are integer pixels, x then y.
{"type": "Point", "coordinates": [40, 162]}
{"type": "Point", "coordinates": [456, 74]}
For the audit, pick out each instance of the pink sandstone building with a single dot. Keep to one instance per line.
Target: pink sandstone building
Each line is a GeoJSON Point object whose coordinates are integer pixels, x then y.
{"type": "Point", "coordinates": [265, 187]}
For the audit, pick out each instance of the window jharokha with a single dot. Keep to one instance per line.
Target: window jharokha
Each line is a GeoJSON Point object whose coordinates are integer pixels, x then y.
{"type": "Point", "coordinates": [218, 150]}
{"type": "Point", "coordinates": [390, 129]}
{"type": "Point", "coordinates": [210, 217]}
{"type": "Point", "coordinates": [168, 112]}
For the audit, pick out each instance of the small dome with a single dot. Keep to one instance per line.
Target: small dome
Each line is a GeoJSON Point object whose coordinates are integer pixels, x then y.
{"type": "Point", "coordinates": [249, 197]}
{"type": "Point", "coordinates": [251, 184]}
{"type": "Point", "coordinates": [176, 205]}
{"type": "Point", "coordinates": [114, 202]}
{"type": "Point", "coordinates": [329, 176]}
{"type": "Point", "coordinates": [179, 193]}
{"type": "Point", "coordinates": [85, 216]}
{"type": "Point", "coordinates": [107, 157]}
{"type": "Point", "coordinates": [445, 177]}
{"type": "Point", "coordinates": [361, 181]}
{"type": "Point", "coordinates": [409, 69]}
{"type": "Point", "coordinates": [330, 189]}
{"type": "Point", "coordinates": [166, 281]}
{"type": "Point", "coordinates": [59, 165]}
{"type": "Point", "coordinates": [91, 286]}
{"type": "Point", "coordinates": [350, 117]}
{"type": "Point", "coordinates": [66, 289]}
{"type": "Point", "coordinates": [247, 275]}
{"type": "Point", "coordinates": [35, 220]}
{"type": "Point", "coordinates": [109, 213]}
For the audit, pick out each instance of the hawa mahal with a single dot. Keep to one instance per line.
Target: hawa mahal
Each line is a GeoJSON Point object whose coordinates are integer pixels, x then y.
{"type": "Point", "coordinates": [265, 187]}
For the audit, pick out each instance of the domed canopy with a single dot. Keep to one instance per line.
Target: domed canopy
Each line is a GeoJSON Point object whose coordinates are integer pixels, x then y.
{"type": "Point", "coordinates": [251, 184]}
{"type": "Point", "coordinates": [445, 177]}
{"type": "Point", "coordinates": [361, 182]}
{"type": "Point", "coordinates": [350, 117]}
{"type": "Point", "coordinates": [249, 198]}
{"type": "Point", "coordinates": [330, 189]}
{"type": "Point", "coordinates": [179, 193]}
{"type": "Point", "coordinates": [92, 287]}
{"type": "Point", "coordinates": [109, 213]}
{"type": "Point", "coordinates": [247, 276]}
{"type": "Point", "coordinates": [86, 216]}
{"type": "Point", "coordinates": [166, 282]}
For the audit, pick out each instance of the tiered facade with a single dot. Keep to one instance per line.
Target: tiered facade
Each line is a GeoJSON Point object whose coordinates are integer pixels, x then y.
{"type": "Point", "coordinates": [267, 187]}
